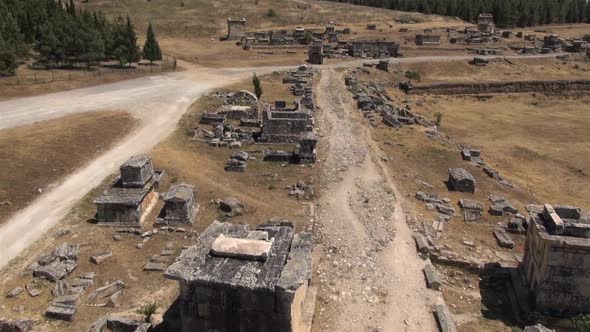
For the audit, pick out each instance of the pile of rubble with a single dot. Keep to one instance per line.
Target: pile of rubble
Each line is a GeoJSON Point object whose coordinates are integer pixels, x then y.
{"type": "Point", "coordinates": [237, 162]}
{"type": "Point", "coordinates": [226, 135]}
{"type": "Point", "coordinates": [372, 100]}
{"type": "Point", "coordinates": [301, 190]}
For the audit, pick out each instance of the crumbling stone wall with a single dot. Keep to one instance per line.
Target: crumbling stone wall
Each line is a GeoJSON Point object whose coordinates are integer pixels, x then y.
{"type": "Point", "coordinates": [556, 86]}
{"type": "Point", "coordinates": [557, 269]}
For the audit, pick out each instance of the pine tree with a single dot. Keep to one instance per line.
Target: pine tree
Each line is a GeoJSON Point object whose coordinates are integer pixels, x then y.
{"type": "Point", "coordinates": [133, 53]}
{"type": "Point", "coordinates": [257, 86]}
{"type": "Point", "coordinates": [151, 48]}
{"type": "Point", "coordinates": [7, 59]}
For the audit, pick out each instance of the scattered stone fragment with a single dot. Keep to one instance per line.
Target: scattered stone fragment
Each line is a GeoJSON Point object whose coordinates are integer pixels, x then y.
{"type": "Point", "coordinates": [153, 266]}
{"type": "Point", "coordinates": [472, 210]}
{"type": "Point", "coordinates": [445, 209]}
{"type": "Point", "coordinates": [14, 292]}
{"type": "Point", "coordinates": [101, 257]}
{"type": "Point", "coordinates": [80, 282]}
{"type": "Point", "coordinates": [60, 311]}
{"type": "Point", "coordinates": [126, 323]}
{"type": "Point", "coordinates": [232, 206]}
{"type": "Point", "coordinates": [428, 198]}
{"type": "Point", "coordinates": [517, 225]}
{"type": "Point", "coordinates": [504, 240]}
{"type": "Point", "coordinates": [472, 155]}
{"type": "Point", "coordinates": [88, 275]}
{"type": "Point", "coordinates": [461, 180]}
{"type": "Point", "coordinates": [117, 237]}
{"type": "Point", "coordinates": [421, 243]}
{"type": "Point", "coordinates": [61, 288]}
{"type": "Point", "coordinates": [62, 232]}
{"type": "Point", "coordinates": [55, 270]}
{"type": "Point", "coordinates": [501, 205]}
{"type": "Point", "coordinates": [20, 325]}
{"type": "Point", "coordinates": [432, 279]}
{"type": "Point", "coordinates": [167, 252]}
{"type": "Point", "coordinates": [33, 290]}
{"type": "Point", "coordinates": [139, 246]}
{"type": "Point", "coordinates": [105, 291]}
{"type": "Point", "coordinates": [537, 328]}
{"type": "Point", "coordinates": [444, 318]}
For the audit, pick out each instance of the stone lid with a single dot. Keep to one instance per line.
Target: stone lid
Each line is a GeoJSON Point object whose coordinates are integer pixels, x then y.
{"type": "Point", "coordinates": [199, 266]}
{"type": "Point", "coordinates": [139, 160]}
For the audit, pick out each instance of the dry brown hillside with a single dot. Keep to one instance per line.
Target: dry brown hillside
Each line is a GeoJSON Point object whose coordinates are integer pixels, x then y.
{"type": "Point", "coordinates": [194, 18]}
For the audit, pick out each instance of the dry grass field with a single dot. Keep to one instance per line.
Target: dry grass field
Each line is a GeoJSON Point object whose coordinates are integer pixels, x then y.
{"type": "Point", "coordinates": [204, 18]}
{"type": "Point", "coordinates": [36, 157]}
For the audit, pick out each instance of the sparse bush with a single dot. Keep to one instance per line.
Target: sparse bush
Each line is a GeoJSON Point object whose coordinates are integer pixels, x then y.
{"type": "Point", "coordinates": [148, 310]}
{"type": "Point", "coordinates": [271, 13]}
{"type": "Point", "coordinates": [257, 86]}
{"type": "Point", "coordinates": [413, 75]}
{"type": "Point", "coordinates": [439, 118]}
{"type": "Point", "coordinates": [581, 323]}
{"type": "Point", "coordinates": [308, 37]}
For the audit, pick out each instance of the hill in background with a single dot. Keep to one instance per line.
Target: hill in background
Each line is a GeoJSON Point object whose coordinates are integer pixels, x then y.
{"type": "Point", "coordinates": [198, 18]}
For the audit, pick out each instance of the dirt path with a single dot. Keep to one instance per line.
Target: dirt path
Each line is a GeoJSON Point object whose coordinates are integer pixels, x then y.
{"type": "Point", "coordinates": [371, 276]}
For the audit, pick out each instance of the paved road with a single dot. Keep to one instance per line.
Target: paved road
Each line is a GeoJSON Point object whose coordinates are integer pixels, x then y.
{"type": "Point", "coordinates": [158, 101]}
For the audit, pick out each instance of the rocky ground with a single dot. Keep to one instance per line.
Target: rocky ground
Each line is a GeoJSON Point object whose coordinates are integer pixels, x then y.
{"type": "Point", "coordinates": [362, 228]}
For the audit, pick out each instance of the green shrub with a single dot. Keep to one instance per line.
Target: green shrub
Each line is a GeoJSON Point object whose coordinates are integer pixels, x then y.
{"type": "Point", "coordinates": [271, 13]}
{"type": "Point", "coordinates": [439, 118]}
{"type": "Point", "coordinates": [581, 323]}
{"type": "Point", "coordinates": [413, 75]}
{"type": "Point", "coordinates": [148, 310]}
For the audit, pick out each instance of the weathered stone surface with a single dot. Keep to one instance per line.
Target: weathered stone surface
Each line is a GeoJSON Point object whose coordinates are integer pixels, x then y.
{"type": "Point", "coordinates": [432, 279]}
{"type": "Point", "coordinates": [231, 205]}
{"type": "Point", "coordinates": [445, 209]}
{"type": "Point", "coordinates": [61, 288]}
{"type": "Point", "coordinates": [120, 323]}
{"type": "Point", "coordinates": [444, 318]}
{"type": "Point", "coordinates": [553, 220]}
{"type": "Point", "coordinates": [504, 240]}
{"type": "Point", "coordinates": [14, 292]}
{"type": "Point", "coordinates": [241, 248]}
{"type": "Point", "coordinates": [501, 205]}
{"type": "Point", "coordinates": [20, 325]}
{"type": "Point", "coordinates": [421, 243]}
{"type": "Point", "coordinates": [461, 180]}
{"type": "Point", "coordinates": [55, 270]}
{"type": "Point", "coordinates": [60, 311]}
{"type": "Point", "coordinates": [105, 291]}
{"type": "Point", "coordinates": [472, 210]}
{"type": "Point", "coordinates": [34, 290]}
{"type": "Point", "coordinates": [537, 328]}
{"type": "Point", "coordinates": [80, 282]}
{"type": "Point", "coordinates": [153, 266]}
{"type": "Point", "coordinates": [101, 257]}
{"type": "Point", "coordinates": [568, 212]}
{"type": "Point", "coordinates": [428, 198]}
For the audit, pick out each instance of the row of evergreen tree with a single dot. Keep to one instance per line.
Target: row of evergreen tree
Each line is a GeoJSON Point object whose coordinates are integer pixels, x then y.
{"type": "Point", "coordinates": [62, 35]}
{"type": "Point", "coordinates": [507, 13]}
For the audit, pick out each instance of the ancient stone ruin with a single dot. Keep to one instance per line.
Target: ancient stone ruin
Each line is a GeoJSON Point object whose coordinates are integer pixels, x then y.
{"type": "Point", "coordinates": [424, 39]}
{"type": "Point", "coordinates": [556, 262]}
{"type": "Point", "coordinates": [373, 49]}
{"type": "Point", "coordinates": [283, 124]}
{"type": "Point", "coordinates": [236, 29]}
{"type": "Point", "coordinates": [131, 196]}
{"type": "Point", "coordinates": [241, 279]}
{"type": "Point", "coordinates": [180, 206]}
{"type": "Point", "coordinates": [461, 180]}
